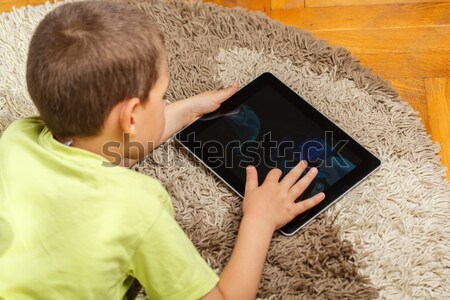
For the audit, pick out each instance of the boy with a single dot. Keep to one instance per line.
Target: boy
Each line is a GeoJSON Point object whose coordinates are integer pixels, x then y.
{"type": "Point", "coordinates": [72, 228]}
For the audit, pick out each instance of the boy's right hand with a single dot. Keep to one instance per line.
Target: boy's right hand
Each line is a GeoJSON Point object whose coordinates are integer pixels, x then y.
{"type": "Point", "coordinates": [274, 200]}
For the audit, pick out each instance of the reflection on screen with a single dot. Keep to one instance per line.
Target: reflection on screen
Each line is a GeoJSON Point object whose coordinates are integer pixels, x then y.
{"type": "Point", "coordinates": [268, 132]}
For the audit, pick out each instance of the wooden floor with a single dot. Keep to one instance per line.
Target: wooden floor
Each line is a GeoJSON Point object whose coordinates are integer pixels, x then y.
{"type": "Point", "coordinates": [404, 41]}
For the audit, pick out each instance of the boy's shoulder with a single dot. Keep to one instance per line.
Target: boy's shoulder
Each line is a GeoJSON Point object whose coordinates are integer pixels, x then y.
{"type": "Point", "coordinates": [145, 189]}
{"type": "Point", "coordinates": [27, 148]}
{"type": "Point", "coordinates": [24, 124]}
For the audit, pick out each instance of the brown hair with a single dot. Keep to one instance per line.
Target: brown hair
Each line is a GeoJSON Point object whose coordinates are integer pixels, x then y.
{"type": "Point", "coordinates": [85, 57]}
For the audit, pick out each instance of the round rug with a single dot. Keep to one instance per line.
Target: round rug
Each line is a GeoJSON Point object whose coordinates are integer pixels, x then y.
{"type": "Point", "coordinates": [388, 238]}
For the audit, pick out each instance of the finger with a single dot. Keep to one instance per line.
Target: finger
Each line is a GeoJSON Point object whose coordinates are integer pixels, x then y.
{"type": "Point", "coordinates": [227, 92]}
{"type": "Point", "coordinates": [294, 174]}
{"type": "Point", "coordinates": [298, 188]}
{"type": "Point", "coordinates": [304, 205]}
{"type": "Point", "coordinates": [215, 94]}
{"type": "Point", "coordinates": [251, 182]}
{"type": "Point", "coordinates": [274, 175]}
{"type": "Point", "coordinates": [233, 86]}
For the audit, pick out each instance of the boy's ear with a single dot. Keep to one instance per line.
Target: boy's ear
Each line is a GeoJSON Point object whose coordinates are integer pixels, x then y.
{"type": "Point", "coordinates": [127, 117]}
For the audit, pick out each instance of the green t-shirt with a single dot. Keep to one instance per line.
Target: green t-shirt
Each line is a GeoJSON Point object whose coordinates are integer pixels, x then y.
{"type": "Point", "coordinates": [72, 228]}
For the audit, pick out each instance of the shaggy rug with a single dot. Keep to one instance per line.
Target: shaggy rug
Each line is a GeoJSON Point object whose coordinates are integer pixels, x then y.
{"type": "Point", "coordinates": [387, 239]}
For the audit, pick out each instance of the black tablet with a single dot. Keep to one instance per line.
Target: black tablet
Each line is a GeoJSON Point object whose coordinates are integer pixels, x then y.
{"type": "Point", "coordinates": [268, 125]}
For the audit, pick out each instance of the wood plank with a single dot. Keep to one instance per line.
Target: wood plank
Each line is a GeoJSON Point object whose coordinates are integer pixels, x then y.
{"type": "Point", "coordinates": [412, 90]}
{"type": "Point", "coordinates": [400, 65]}
{"type": "Point", "coordinates": [267, 5]}
{"type": "Point", "coordinates": [325, 3]}
{"type": "Point", "coordinates": [398, 55]}
{"type": "Point", "coordinates": [390, 40]}
{"type": "Point", "coordinates": [256, 5]}
{"type": "Point", "coordinates": [360, 17]}
{"type": "Point", "coordinates": [438, 96]}
{"type": "Point", "coordinates": [395, 53]}
{"type": "Point", "coordinates": [287, 4]}
{"type": "Point", "coordinates": [7, 5]}
{"type": "Point", "coordinates": [37, 2]}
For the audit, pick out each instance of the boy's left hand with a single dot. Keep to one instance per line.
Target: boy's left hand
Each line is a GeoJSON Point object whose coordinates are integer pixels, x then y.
{"type": "Point", "coordinates": [184, 112]}
{"type": "Point", "coordinates": [207, 102]}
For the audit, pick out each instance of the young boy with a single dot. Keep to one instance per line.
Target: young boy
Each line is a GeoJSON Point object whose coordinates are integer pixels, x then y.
{"type": "Point", "coordinates": [73, 228]}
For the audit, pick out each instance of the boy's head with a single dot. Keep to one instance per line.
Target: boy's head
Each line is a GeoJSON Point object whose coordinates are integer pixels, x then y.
{"type": "Point", "coordinates": [86, 58]}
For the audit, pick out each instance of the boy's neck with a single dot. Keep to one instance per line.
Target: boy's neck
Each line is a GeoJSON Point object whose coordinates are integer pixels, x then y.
{"type": "Point", "coordinates": [91, 144]}
{"type": "Point", "coordinates": [95, 145]}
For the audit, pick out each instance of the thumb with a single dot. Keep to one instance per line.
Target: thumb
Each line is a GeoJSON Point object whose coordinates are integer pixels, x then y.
{"type": "Point", "coordinates": [251, 182]}
{"type": "Point", "coordinates": [227, 92]}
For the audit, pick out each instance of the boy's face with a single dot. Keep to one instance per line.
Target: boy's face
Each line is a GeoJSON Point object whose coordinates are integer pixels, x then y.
{"type": "Point", "coordinates": [151, 119]}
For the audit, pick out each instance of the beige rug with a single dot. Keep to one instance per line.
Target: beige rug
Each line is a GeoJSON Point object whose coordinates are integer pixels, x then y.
{"type": "Point", "coordinates": [386, 239]}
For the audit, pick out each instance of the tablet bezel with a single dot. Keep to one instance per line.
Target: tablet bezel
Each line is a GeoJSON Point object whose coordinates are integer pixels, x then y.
{"type": "Point", "coordinates": [369, 162]}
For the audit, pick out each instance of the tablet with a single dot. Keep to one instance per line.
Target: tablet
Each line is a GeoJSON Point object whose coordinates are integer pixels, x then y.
{"type": "Point", "coordinates": [268, 125]}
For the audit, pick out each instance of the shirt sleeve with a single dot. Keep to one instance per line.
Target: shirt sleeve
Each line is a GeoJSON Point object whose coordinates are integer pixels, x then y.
{"type": "Point", "coordinates": [168, 265]}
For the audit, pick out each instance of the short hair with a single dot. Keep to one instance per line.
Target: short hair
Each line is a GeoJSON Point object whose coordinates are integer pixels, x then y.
{"type": "Point", "coordinates": [85, 57]}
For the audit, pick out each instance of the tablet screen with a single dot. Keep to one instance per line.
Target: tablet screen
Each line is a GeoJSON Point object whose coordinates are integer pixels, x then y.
{"type": "Point", "coordinates": [268, 125]}
{"type": "Point", "coordinates": [271, 134]}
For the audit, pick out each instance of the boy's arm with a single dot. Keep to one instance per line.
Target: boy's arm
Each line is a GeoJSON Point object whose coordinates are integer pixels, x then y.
{"type": "Point", "coordinates": [176, 117]}
{"type": "Point", "coordinates": [266, 208]}
{"type": "Point", "coordinates": [241, 276]}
